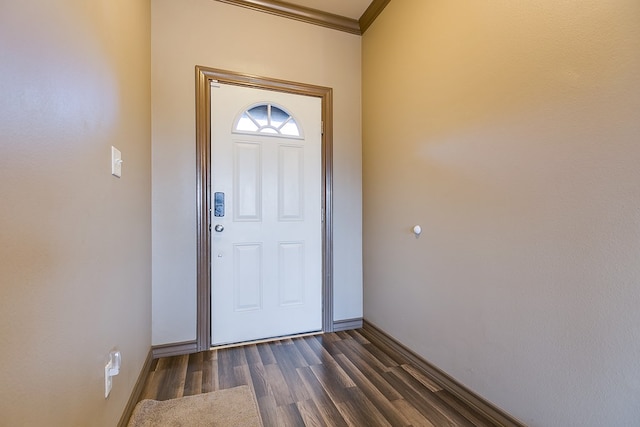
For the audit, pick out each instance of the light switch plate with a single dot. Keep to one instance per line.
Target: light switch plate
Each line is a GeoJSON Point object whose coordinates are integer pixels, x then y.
{"type": "Point", "coordinates": [116, 162]}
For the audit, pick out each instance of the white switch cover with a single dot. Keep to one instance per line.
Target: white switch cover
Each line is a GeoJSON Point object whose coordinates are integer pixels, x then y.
{"type": "Point", "coordinates": [116, 162]}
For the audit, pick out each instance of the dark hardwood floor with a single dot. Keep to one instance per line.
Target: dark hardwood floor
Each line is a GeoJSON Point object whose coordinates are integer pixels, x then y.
{"type": "Point", "coordinates": [336, 379]}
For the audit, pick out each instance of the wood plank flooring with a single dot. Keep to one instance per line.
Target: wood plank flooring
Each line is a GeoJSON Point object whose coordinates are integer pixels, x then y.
{"type": "Point", "coordinates": [336, 379]}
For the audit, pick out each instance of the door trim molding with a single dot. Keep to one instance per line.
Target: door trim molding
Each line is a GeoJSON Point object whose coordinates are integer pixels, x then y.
{"type": "Point", "coordinates": [204, 77]}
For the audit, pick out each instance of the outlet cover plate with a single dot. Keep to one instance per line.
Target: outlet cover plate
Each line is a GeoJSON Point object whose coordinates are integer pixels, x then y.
{"type": "Point", "coordinates": [116, 162]}
{"type": "Point", "coordinates": [108, 380]}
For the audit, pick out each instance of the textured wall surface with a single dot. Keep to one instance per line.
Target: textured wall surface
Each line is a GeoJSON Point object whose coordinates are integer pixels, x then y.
{"type": "Point", "coordinates": [217, 35]}
{"type": "Point", "coordinates": [75, 242]}
{"type": "Point", "coordinates": [509, 132]}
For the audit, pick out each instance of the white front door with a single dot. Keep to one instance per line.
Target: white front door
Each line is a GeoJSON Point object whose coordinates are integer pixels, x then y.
{"type": "Point", "coordinates": [266, 182]}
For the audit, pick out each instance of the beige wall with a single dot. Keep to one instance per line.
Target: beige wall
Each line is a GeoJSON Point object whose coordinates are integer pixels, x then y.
{"type": "Point", "coordinates": [208, 33]}
{"type": "Point", "coordinates": [75, 242]}
{"type": "Point", "coordinates": [509, 131]}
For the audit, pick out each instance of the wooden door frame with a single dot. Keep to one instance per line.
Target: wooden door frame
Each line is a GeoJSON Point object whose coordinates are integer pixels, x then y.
{"type": "Point", "coordinates": [204, 77]}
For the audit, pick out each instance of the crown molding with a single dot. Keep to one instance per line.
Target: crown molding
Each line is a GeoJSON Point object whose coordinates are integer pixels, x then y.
{"type": "Point", "coordinates": [375, 8]}
{"type": "Point", "coordinates": [299, 13]}
{"type": "Point", "coordinates": [314, 16]}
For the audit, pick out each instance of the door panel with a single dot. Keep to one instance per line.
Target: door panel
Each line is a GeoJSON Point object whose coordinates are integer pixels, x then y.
{"type": "Point", "coordinates": [247, 180]}
{"type": "Point", "coordinates": [267, 256]}
{"type": "Point", "coordinates": [291, 184]}
{"type": "Point", "coordinates": [291, 273]}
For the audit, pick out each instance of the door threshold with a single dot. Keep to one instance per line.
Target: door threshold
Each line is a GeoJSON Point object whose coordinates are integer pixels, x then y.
{"type": "Point", "coordinates": [265, 340]}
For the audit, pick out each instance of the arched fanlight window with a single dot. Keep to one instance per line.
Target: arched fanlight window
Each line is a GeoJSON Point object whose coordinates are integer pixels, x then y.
{"type": "Point", "coordinates": [267, 119]}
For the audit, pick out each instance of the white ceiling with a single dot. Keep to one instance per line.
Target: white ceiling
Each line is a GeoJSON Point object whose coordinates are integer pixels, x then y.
{"type": "Point", "coordinates": [349, 8]}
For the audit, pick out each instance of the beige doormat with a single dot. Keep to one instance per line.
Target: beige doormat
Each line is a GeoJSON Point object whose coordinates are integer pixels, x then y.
{"type": "Point", "coordinates": [231, 407]}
